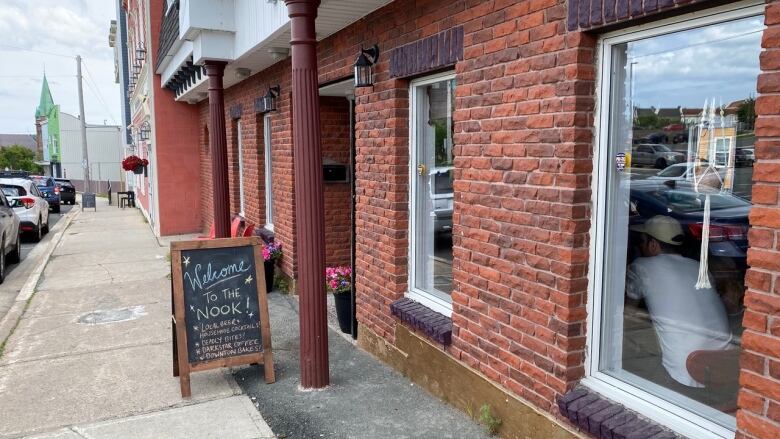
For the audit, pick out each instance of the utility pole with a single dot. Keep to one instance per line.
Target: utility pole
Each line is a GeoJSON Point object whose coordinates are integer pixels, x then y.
{"type": "Point", "coordinates": [84, 151]}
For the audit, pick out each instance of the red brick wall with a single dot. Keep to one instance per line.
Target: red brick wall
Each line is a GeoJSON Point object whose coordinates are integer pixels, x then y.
{"type": "Point", "coordinates": [759, 397]}
{"type": "Point", "coordinates": [175, 150]}
{"type": "Point", "coordinates": [244, 94]}
{"type": "Point", "coordinates": [334, 123]}
{"type": "Point", "coordinates": [523, 147]}
{"type": "Point", "coordinates": [523, 161]}
{"type": "Point", "coordinates": [522, 198]}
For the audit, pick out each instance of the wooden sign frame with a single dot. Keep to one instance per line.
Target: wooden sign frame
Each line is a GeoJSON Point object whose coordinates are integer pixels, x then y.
{"type": "Point", "coordinates": [182, 368]}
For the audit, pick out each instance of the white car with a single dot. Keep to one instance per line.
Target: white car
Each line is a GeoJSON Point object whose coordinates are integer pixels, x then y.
{"type": "Point", "coordinates": [28, 204]}
{"type": "Point", "coordinates": [680, 172]}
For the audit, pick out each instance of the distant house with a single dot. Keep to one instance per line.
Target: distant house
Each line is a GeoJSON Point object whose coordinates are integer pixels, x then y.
{"type": "Point", "coordinates": [26, 140]}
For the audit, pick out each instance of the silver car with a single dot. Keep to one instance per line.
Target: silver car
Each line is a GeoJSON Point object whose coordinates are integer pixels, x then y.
{"type": "Point", "coordinates": [655, 154]}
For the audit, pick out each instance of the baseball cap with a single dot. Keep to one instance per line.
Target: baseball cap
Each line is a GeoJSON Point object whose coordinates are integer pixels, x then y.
{"type": "Point", "coordinates": [663, 228]}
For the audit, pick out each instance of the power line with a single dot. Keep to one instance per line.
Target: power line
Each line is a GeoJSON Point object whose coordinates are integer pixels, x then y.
{"type": "Point", "coordinates": [35, 51]}
{"type": "Point", "coordinates": [97, 93]}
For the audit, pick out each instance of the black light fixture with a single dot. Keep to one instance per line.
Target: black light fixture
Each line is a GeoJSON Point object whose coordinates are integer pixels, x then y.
{"type": "Point", "coordinates": [140, 53]}
{"type": "Point", "coordinates": [137, 68]}
{"type": "Point", "coordinates": [146, 131]}
{"type": "Point", "coordinates": [364, 75]}
{"type": "Point", "coordinates": [268, 102]}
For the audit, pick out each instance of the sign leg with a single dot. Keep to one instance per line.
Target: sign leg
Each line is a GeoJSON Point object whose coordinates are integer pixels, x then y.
{"type": "Point", "coordinates": [268, 367]}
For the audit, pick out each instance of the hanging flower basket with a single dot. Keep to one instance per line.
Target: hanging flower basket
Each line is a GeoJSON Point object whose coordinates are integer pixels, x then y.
{"type": "Point", "coordinates": [135, 164]}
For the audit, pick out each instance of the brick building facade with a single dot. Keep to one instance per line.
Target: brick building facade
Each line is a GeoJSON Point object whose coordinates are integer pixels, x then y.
{"type": "Point", "coordinates": [514, 98]}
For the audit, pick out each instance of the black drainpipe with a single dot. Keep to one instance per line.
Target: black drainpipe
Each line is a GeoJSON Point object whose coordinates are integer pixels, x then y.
{"type": "Point", "coordinates": [352, 165]}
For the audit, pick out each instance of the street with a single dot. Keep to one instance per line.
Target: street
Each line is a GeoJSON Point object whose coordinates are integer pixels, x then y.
{"type": "Point", "coordinates": [28, 245]}
{"type": "Point", "coordinates": [90, 354]}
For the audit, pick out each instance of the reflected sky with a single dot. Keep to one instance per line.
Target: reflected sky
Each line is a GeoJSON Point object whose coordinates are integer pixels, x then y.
{"type": "Point", "coordinates": [684, 68]}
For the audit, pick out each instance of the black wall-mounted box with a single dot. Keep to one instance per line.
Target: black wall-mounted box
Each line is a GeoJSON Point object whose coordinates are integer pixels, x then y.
{"type": "Point", "coordinates": [335, 173]}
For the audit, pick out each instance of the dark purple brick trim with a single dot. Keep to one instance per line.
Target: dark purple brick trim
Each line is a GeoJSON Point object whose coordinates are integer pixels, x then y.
{"type": "Point", "coordinates": [236, 111]}
{"type": "Point", "coordinates": [433, 325]}
{"type": "Point", "coordinates": [428, 54]}
{"type": "Point", "coordinates": [605, 419]}
{"type": "Point", "coordinates": [591, 14]}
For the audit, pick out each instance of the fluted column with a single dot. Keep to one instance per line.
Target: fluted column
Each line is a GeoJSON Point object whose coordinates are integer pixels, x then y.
{"type": "Point", "coordinates": [218, 143]}
{"type": "Point", "coordinates": [309, 204]}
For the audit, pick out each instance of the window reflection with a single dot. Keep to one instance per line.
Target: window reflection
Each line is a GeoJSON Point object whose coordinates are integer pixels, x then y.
{"type": "Point", "coordinates": [682, 112]}
{"type": "Point", "coordinates": [434, 193]}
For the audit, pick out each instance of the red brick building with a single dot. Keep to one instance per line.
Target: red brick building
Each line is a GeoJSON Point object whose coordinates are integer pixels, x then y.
{"type": "Point", "coordinates": [540, 224]}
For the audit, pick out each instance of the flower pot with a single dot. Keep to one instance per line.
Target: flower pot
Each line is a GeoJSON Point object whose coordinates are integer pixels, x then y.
{"type": "Point", "coordinates": [344, 311]}
{"type": "Point", "coordinates": [269, 275]}
{"type": "Point", "coordinates": [138, 170]}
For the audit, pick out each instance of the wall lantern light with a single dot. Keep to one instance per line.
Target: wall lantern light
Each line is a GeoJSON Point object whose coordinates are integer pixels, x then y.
{"type": "Point", "coordinates": [269, 100]}
{"type": "Point", "coordinates": [364, 76]}
{"type": "Point", "coordinates": [146, 131]}
{"type": "Point", "coordinates": [136, 68]}
{"type": "Point", "coordinates": [140, 53]}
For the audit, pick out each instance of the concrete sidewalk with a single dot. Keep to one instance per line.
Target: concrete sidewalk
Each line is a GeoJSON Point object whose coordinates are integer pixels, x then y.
{"type": "Point", "coordinates": [366, 398]}
{"type": "Point", "coordinates": [91, 356]}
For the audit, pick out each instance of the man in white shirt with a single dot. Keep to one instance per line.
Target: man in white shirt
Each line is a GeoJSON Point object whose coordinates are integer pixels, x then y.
{"type": "Point", "coordinates": [685, 319]}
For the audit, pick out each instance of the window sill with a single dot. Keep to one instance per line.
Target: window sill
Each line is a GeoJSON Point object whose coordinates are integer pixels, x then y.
{"type": "Point", "coordinates": [602, 418]}
{"type": "Point", "coordinates": [433, 325]}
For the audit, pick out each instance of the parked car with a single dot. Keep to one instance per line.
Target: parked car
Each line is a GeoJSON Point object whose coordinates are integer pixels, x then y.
{"type": "Point", "coordinates": [49, 190]}
{"type": "Point", "coordinates": [28, 204]}
{"type": "Point", "coordinates": [14, 174]}
{"type": "Point", "coordinates": [10, 247]}
{"type": "Point", "coordinates": [655, 154]}
{"type": "Point", "coordinates": [678, 199]}
{"type": "Point", "coordinates": [744, 157]}
{"type": "Point", "coordinates": [67, 190]}
{"type": "Point", "coordinates": [680, 172]}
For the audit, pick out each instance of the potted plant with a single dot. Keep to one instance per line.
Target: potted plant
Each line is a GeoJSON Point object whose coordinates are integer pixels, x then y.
{"type": "Point", "coordinates": [338, 281]}
{"type": "Point", "coordinates": [272, 252]}
{"type": "Point", "coordinates": [135, 164]}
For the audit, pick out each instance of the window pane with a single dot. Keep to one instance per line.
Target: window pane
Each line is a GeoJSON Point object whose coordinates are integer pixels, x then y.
{"type": "Point", "coordinates": [434, 196]}
{"type": "Point", "coordinates": [681, 110]}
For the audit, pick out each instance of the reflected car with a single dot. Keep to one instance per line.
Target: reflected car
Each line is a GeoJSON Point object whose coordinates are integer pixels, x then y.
{"type": "Point", "coordinates": [442, 198]}
{"type": "Point", "coordinates": [744, 157]}
{"type": "Point", "coordinates": [680, 172]}
{"type": "Point", "coordinates": [655, 154]}
{"type": "Point", "coordinates": [49, 190]}
{"type": "Point", "coordinates": [728, 228]}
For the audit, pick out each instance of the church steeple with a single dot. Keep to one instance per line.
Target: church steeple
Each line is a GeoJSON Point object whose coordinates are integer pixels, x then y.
{"type": "Point", "coordinates": [47, 102]}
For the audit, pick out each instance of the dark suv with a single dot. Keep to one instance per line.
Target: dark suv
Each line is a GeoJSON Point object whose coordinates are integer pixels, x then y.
{"type": "Point", "coordinates": [67, 190]}
{"type": "Point", "coordinates": [49, 190]}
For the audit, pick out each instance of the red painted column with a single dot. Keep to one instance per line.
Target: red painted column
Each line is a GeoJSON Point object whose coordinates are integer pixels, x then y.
{"type": "Point", "coordinates": [218, 144]}
{"type": "Point", "coordinates": [309, 204]}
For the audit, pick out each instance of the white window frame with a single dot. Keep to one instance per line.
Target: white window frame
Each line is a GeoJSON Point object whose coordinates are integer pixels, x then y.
{"type": "Point", "coordinates": [241, 194]}
{"type": "Point", "coordinates": [673, 416]}
{"type": "Point", "coordinates": [437, 303]}
{"type": "Point", "coordinates": [268, 163]}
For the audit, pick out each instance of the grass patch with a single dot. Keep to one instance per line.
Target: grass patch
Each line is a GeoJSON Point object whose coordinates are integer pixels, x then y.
{"type": "Point", "coordinates": [490, 422]}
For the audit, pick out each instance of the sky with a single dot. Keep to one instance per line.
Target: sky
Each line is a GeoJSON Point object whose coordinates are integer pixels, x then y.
{"type": "Point", "coordinates": [683, 69]}
{"type": "Point", "coordinates": [62, 29]}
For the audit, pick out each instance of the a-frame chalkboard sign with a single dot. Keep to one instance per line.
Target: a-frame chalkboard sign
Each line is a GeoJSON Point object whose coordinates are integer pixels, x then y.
{"type": "Point", "coordinates": [220, 308]}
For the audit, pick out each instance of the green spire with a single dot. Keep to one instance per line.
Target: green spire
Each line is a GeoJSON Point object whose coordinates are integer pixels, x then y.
{"type": "Point", "coordinates": [47, 102]}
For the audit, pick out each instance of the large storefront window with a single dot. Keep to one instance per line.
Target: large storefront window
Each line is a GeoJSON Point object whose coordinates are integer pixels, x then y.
{"type": "Point", "coordinates": [676, 159]}
{"type": "Point", "coordinates": [432, 101]}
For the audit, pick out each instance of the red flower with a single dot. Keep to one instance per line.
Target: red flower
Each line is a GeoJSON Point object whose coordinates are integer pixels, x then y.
{"type": "Point", "coordinates": [132, 162]}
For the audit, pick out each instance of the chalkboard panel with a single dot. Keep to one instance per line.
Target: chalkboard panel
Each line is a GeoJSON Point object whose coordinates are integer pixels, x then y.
{"type": "Point", "coordinates": [220, 302]}
{"type": "Point", "coordinates": [88, 201]}
{"type": "Point", "coordinates": [220, 308]}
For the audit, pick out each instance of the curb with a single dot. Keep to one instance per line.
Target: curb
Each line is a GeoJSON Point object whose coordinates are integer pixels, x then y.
{"type": "Point", "coordinates": [14, 315]}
